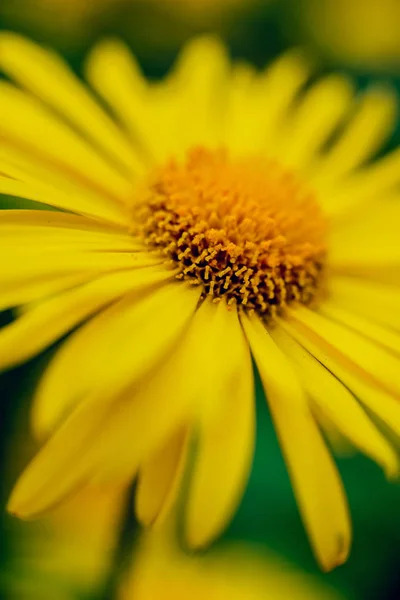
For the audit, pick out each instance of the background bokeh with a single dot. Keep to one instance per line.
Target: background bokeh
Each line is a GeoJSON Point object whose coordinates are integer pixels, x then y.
{"type": "Point", "coordinates": [358, 37]}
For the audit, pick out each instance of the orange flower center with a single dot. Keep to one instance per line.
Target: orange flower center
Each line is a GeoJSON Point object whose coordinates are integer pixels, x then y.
{"type": "Point", "coordinates": [247, 230]}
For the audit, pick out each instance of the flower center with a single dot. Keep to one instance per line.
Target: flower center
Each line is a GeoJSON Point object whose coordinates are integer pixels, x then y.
{"type": "Point", "coordinates": [245, 229]}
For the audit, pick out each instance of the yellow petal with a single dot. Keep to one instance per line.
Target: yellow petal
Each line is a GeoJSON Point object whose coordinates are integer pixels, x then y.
{"type": "Point", "coordinates": [28, 290]}
{"type": "Point", "coordinates": [320, 111]}
{"type": "Point", "coordinates": [200, 76]}
{"type": "Point", "coordinates": [225, 445]}
{"type": "Point", "coordinates": [368, 239]}
{"type": "Point", "coordinates": [75, 544]}
{"type": "Point", "coordinates": [348, 347]}
{"type": "Point", "coordinates": [42, 325]}
{"type": "Point", "coordinates": [31, 221]}
{"type": "Point", "coordinates": [282, 82]}
{"type": "Point", "coordinates": [19, 189]}
{"type": "Point", "coordinates": [28, 265]}
{"type": "Point", "coordinates": [27, 125]}
{"type": "Point", "coordinates": [314, 476]}
{"type": "Point", "coordinates": [159, 479]}
{"type": "Point", "coordinates": [163, 403]}
{"type": "Point", "coordinates": [377, 302]}
{"type": "Point", "coordinates": [339, 444]}
{"type": "Point", "coordinates": [385, 273]}
{"type": "Point", "coordinates": [338, 404]}
{"type": "Point", "coordinates": [237, 572]}
{"type": "Point", "coordinates": [364, 135]}
{"type": "Point", "coordinates": [383, 405]}
{"type": "Point", "coordinates": [138, 330]}
{"type": "Point", "coordinates": [36, 69]}
{"type": "Point", "coordinates": [192, 96]}
{"type": "Point", "coordinates": [55, 230]}
{"type": "Point", "coordinates": [257, 103]}
{"type": "Point", "coordinates": [241, 112]}
{"type": "Point", "coordinates": [29, 177]}
{"type": "Point", "coordinates": [382, 336]}
{"type": "Point", "coordinates": [113, 72]}
{"type": "Point", "coordinates": [370, 183]}
{"type": "Point", "coordinates": [123, 419]}
{"type": "Point", "coordinates": [63, 465]}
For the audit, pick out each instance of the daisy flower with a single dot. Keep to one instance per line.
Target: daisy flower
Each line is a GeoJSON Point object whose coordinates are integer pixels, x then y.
{"type": "Point", "coordinates": [237, 572]}
{"type": "Point", "coordinates": [214, 218]}
{"type": "Point", "coordinates": [361, 33]}
{"type": "Point", "coordinates": [68, 554]}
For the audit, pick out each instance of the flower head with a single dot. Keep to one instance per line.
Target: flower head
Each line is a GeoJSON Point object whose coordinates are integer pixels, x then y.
{"type": "Point", "coordinates": [363, 33]}
{"type": "Point", "coordinates": [237, 572]}
{"type": "Point", "coordinates": [246, 231]}
{"type": "Point", "coordinates": [219, 216]}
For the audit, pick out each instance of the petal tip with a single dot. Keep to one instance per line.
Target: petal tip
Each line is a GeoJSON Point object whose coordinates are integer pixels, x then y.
{"type": "Point", "coordinates": [16, 508]}
{"type": "Point", "coordinates": [341, 555]}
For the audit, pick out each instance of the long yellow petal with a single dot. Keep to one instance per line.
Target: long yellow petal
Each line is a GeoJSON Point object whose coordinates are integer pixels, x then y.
{"type": "Point", "coordinates": [200, 80]}
{"type": "Point", "coordinates": [41, 240]}
{"type": "Point", "coordinates": [41, 221]}
{"type": "Point", "coordinates": [19, 189]}
{"type": "Point", "coordinates": [29, 177]}
{"type": "Point", "coordinates": [314, 476]}
{"type": "Point", "coordinates": [383, 405]}
{"type": "Point", "coordinates": [281, 84]}
{"type": "Point", "coordinates": [42, 325]}
{"type": "Point", "coordinates": [26, 264]}
{"type": "Point", "coordinates": [381, 335]}
{"type": "Point", "coordinates": [242, 118]}
{"type": "Point", "coordinates": [28, 125]}
{"type": "Point", "coordinates": [338, 404]}
{"type": "Point", "coordinates": [36, 69]}
{"type": "Point", "coordinates": [61, 231]}
{"type": "Point", "coordinates": [365, 133]}
{"type": "Point", "coordinates": [124, 418]}
{"type": "Point", "coordinates": [386, 273]}
{"type": "Point", "coordinates": [222, 461]}
{"type": "Point", "coordinates": [38, 288]}
{"type": "Point", "coordinates": [313, 121]}
{"type": "Point", "coordinates": [257, 103]}
{"type": "Point", "coordinates": [163, 403]}
{"type": "Point", "coordinates": [64, 464]}
{"type": "Point", "coordinates": [138, 330]}
{"type": "Point", "coordinates": [191, 96]}
{"type": "Point", "coordinates": [377, 302]}
{"type": "Point", "coordinates": [369, 238]}
{"type": "Point", "coordinates": [370, 183]}
{"type": "Point", "coordinates": [348, 347]}
{"type": "Point", "coordinates": [160, 569]}
{"type": "Point", "coordinates": [113, 72]}
{"type": "Point", "coordinates": [159, 479]}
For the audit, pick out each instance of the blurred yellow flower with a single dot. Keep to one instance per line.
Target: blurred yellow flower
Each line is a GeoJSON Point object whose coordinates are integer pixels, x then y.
{"type": "Point", "coordinates": [72, 553]}
{"type": "Point", "coordinates": [224, 214]}
{"type": "Point", "coordinates": [68, 553]}
{"type": "Point", "coordinates": [363, 32]}
{"type": "Point", "coordinates": [151, 26]}
{"type": "Point", "coordinates": [66, 22]}
{"type": "Point", "coordinates": [237, 572]}
{"type": "Point", "coordinates": [199, 9]}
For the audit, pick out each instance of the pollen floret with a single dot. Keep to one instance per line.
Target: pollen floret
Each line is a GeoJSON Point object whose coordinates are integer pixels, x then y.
{"type": "Point", "coordinates": [245, 229]}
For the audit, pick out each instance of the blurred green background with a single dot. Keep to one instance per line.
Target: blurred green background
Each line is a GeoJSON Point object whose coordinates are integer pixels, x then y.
{"type": "Point", "coordinates": [360, 37]}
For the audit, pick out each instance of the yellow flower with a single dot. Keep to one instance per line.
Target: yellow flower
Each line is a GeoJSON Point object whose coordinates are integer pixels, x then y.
{"type": "Point", "coordinates": [217, 215]}
{"type": "Point", "coordinates": [363, 32]}
{"type": "Point", "coordinates": [237, 572]}
{"type": "Point", "coordinates": [68, 22]}
{"type": "Point", "coordinates": [202, 9]}
{"type": "Point", "coordinates": [68, 554]}
{"type": "Point", "coordinates": [73, 552]}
